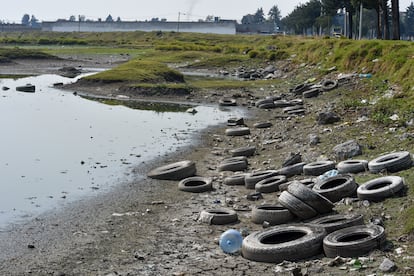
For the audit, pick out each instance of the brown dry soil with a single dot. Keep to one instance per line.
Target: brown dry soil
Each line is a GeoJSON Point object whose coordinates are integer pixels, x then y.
{"type": "Point", "coordinates": [149, 227]}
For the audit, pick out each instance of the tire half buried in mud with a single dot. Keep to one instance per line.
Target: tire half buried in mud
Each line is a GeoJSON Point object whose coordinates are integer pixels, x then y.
{"type": "Point", "coordinates": [287, 242]}
{"type": "Point", "coordinates": [174, 171]}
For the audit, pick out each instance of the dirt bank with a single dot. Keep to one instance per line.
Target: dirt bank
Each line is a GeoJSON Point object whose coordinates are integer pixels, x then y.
{"type": "Point", "coordinates": [149, 227]}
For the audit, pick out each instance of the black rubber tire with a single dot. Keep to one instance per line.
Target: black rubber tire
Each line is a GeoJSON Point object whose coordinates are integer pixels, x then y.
{"type": "Point", "coordinates": [287, 242]}
{"type": "Point", "coordinates": [392, 162]}
{"type": "Point", "coordinates": [309, 182]}
{"type": "Point", "coordinates": [297, 112]}
{"type": "Point", "coordinates": [318, 202]}
{"type": "Point", "coordinates": [274, 214]}
{"type": "Point", "coordinates": [260, 102]}
{"type": "Point", "coordinates": [238, 131]}
{"type": "Point", "coordinates": [318, 168]}
{"type": "Point", "coordinates": [243, 151]}
{"type": "Point", "coordinates": [328, 85]}
{"type": "Point", "coordinates": [262, 125]}
{"type": "Point", "coordinates": [297, 206]}
{"type": "Point", "coordinates": [352, 166]}
{"type": "Point", "coordinates": [292, 108]}
{"type": "Point", "coordinates": [380, 188]}
{"type": "Point", "coordinates": [282, 103]}
{"type": "Point", "coordinates": [300, 88]}
{"type": "Point", "coordinates": [295, 169]}
{"type": "Point", "coordinates": [296, 102]}
{"type": "Point", "coordinates": [354, 241]}
{"type": "Point", "coordinates": [335, 222]}
{"type": "Point", "coordinates": [252, 178]}
{"type": "Point", "coordinates": [267, 105]}
{"type": "Point", "coordinates": [270, 184]}
{"type": "Point", "coordinates": [218, 216]}
{"type": "Point", "coordinates": [312, 93]}
{"type": "Point", "coordinates": [336, 187]}
{"type": "Point", "coordinates": [233, 164]}
{"type": "Point", "coordinates": [235, 180]}
{"type": "Point", "coordinates": [235, 122]}
{"type": "Point", "coordinates": [196, 184]}
{"type": "Point", "coordinates": [174, 171]}
{"type": "Point", "coordinates": [227, 102]}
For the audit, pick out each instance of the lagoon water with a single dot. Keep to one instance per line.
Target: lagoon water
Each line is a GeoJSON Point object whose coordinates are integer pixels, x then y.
{"type": "Point", "coordinates": [56, 147]}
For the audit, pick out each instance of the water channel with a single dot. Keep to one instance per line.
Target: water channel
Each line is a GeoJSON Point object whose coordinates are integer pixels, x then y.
{"type": "Point", "coordinates": [57, 147]}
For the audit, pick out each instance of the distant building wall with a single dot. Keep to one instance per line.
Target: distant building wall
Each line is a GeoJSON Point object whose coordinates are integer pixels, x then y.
{"type": "Point", "coordinates": [16, 28]}
{"type": "Point", "coordinates": [221, 27]}
{"type": "Point", "coordinates": [256, 28]}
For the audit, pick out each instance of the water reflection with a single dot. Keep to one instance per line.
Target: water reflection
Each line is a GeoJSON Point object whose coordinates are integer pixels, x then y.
{"type": "Point", "coordinates": [56, 147]}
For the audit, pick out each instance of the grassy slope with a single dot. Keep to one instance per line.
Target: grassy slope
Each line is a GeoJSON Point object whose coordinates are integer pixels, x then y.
{"type": "Point", "coordinates": [390, 63]}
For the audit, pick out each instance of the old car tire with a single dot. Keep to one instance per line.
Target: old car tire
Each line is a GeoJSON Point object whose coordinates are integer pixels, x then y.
{"type": "Point", "coordinates": [354, 241]}
{"type": "Point", "coordinates": [295, 169]}
{"type": "Point", "coordinates": [314, 92]}
{"type": "Point", "coordinates": [262, 125]}
{"type": "Point", "coordinates": [287, 242]}
{"type": "Point", "coordinates": [252, 178]}
{"type": "Point", "coordinates": [318, 168]}
{"type": "Point", "coordinates": [328, 85]}
{"type": "Point", "coordinates": [274, 214]}
{"type": "Point", "coordinates": [380, 188]}
{"type": "Point", "coordinates": [234, 180]}
{"type": "Point", "coordinates": [270, 184]}
{"type": "Point", "coordinates": [227, 102]}
{"type": "Point", "coordinates": [352, 166]}
{"type": "Point", "coordinates": [233, 164]}
{"type": "Point", "coordinates": [195, 184]}
{"type": "Point", "coordinates": [335, 222]}
{"type": "Point", "coordinates": [243, 151]}
{"type": "Point", "coordinates": [237, 131]}
{"type": "Point", "coordinates": [297, 206]}
{"type": "Point", "coordinates": [392, 162]}
{"type": "Point", "coordinates": [218, 216]}
{"type": "Point", "coordinates": [336, 187]}
{"type": "Point", "coordinates": [318, 202]}
{"type": "Point", "coordinates": [174, 171]}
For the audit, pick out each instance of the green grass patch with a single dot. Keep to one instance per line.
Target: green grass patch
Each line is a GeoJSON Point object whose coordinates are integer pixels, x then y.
{"type": "Point", "coordinates": [138, 71]}
{"type": "Point", "coordinates": [8, 54]}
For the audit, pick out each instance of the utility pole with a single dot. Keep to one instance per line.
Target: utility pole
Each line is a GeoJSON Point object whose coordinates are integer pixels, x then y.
{"type": "Point", "coordinates": [360, 20]}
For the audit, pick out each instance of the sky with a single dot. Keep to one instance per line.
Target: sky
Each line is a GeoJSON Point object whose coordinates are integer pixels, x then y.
{"type": "Point", "coordinates": [141, 10]}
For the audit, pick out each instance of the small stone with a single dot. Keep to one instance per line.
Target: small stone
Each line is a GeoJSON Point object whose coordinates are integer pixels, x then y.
{"type": "Point", "coordinates": [387, 265]}
{"type": "Point", "coordinates": [314, 139]}
{"type": "Point", "coordinates": [266, 224]}
{"type": "Point", "coordinates": [366, 203]}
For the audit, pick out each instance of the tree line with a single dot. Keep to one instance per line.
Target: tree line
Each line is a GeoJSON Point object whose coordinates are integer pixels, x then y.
{"type": "Point", "coordinates": [382, 16]}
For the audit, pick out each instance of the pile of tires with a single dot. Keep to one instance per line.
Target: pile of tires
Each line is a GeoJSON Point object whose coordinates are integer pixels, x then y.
{"type": "Point", "coordinates": [304, 202]}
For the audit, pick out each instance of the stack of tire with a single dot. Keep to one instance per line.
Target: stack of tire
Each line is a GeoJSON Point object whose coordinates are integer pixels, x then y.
{"type": "Point", "coordinates": [335, 235]}
{"type": "Point", "coordinates": [304, 202]}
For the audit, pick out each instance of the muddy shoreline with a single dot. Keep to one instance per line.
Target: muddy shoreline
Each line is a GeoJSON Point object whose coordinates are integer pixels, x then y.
{"type": "Point", "coordinates": [149, 227]}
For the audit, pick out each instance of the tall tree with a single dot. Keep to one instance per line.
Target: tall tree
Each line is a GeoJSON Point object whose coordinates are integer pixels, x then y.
{"type": "Point", "coordinates": [395, 10]}
{"type": "Point", "coordinates": [109, 18]}
{"type": "Point", "coordinates": [409, 20]}
{"type": "Point", "coordinates": [25, 19]}
{"type": "Point", "coordinates": [259, 16]}
{"type": "Point", "coordinates": [275, 15]}
{"type": "Point", "coordinates": [332, 6]}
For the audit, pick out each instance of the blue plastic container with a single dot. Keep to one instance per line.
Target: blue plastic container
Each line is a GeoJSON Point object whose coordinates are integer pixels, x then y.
{"type": "Point", "coordinates": [231, 241]}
